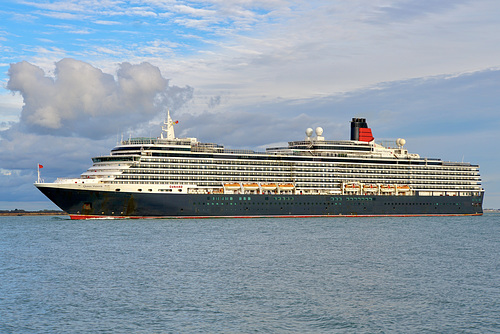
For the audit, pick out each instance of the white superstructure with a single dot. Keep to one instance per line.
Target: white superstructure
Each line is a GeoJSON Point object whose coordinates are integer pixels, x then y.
{"type": "Point", "coordinates": [310, 166]}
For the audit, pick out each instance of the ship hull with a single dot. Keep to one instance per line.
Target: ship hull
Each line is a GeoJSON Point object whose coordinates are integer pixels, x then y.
{"type": "Point", "coordinates": [82, 204]}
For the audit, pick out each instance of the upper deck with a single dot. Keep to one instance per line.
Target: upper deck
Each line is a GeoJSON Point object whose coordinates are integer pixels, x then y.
{"type": "Point", "coordinates": [310, 166]}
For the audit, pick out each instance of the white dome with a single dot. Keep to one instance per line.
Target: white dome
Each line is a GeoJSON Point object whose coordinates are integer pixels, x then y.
{"type": "Point", "coordinates": [319, 131]}
{"type": "Point", "coordinates": [309, 132]}
{"type": "Point", "coordinates": [400, 142]}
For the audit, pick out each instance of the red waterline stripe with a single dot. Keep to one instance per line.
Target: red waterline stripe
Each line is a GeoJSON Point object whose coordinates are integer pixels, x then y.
{"type": "Point", "coordinates": [80, 217]}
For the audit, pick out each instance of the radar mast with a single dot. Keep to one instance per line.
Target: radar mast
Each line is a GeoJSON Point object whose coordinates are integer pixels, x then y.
{"type": "Point", "coordinates": [168, 127]}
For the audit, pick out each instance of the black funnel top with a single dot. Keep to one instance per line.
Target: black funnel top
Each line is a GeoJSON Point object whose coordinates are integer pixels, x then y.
{"type": "Point", "coordinates": [356, 124]}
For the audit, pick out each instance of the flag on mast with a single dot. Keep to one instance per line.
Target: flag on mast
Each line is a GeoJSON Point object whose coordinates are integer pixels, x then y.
{"type": "Point", "coordinates": [39, 179]}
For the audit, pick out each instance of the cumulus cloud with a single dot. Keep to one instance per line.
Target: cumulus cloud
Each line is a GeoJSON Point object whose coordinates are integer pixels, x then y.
{"type": "Point", "coordinates": [81, 100]}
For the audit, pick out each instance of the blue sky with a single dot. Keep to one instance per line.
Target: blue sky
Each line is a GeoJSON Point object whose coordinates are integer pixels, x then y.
{"type": "Point", "coordinates": [76, 75]}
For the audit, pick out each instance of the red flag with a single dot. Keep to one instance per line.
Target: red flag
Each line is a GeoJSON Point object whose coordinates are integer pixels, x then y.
{"type": "Point", "coordinates": [176, 122]}
{"type": "Point", "coordinates": [40, 166]}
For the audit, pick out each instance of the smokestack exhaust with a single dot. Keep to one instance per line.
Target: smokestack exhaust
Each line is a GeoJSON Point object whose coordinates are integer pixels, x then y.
{"type": "Point", "coordinates": [360, 130]}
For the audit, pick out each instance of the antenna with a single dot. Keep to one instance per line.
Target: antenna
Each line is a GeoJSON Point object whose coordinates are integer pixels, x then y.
{"type": "Point", "coordinates": [168, 127]}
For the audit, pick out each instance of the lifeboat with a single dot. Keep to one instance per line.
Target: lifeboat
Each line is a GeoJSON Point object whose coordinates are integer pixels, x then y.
{"type": "Point", "coordinates": [268, 186]}
{"type": "Point", "coordinates": [250, 186]}
{"type": "Point", "coordinates": [403, 189]}
{"type": "Point", "coordinates": [232, 186]}
{"type": "Point", "coordinates": [387, 188]}
{"type": "Point", "coordinates": [352, 187]}
{"type": "Point", "coordinates": [286, 186]}
{"type": "Point", "coordinates": [370, 188]}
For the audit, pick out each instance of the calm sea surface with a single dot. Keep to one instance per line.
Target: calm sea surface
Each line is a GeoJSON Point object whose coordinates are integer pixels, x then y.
{"type": "Point", "coordinates": [323, 275]}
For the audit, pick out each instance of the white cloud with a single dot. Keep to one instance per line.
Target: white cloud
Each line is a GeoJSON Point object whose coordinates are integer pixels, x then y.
{"type": "Point", "coordinates": [194, 23]}
{"type": "Point", "coordinates": [62, 16]}
{"type": "Point", "coordinates": [107, 23]}
{"type": "Point", "coordinates": [81, 31]}
{"type": "Point", "coordinates": [194, 11]}
{"type": "Point", "coordinates": [82, 100]}
{"type": "Point", "coordinates": [337, 47]}
{"type": "Point", "coordinates": [139, 12]}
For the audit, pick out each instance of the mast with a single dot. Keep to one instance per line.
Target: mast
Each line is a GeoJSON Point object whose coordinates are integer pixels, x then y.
{"type": "Point", "coordinates": [40, 180]}
{"type": "Point", "coordinates": [168, 127]}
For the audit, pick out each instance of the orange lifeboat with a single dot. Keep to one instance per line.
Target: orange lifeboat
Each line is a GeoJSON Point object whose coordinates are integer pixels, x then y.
{"type": "Point", "coordinates": [287, 186]}
{"type": "Point", "coordinates": [387, 188]}
{"type": "Point", "coordinates": [250, 186]}
{"type": "Point", "coordinates": [268, 186]}
{"type": "Point", "coordinates": [403, 189]}
{"type": "Point", "coordinates": [232, 186]}
{"type": "Point", "coordinates": [352, 187]}
{"type": "Point", "coordinates": [370, 187]}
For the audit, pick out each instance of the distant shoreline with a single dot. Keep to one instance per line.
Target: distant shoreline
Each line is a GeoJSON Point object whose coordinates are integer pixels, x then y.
{"type": "Point", "coordinates": [6, 213]}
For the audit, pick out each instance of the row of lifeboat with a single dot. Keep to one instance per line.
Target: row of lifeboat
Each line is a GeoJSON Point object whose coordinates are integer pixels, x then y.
{"type": "Point", "coordinates": [349, 187]}
{"type": "Point", "coordinates": [385, 188]}
{"type": "Point", "coordinates": [255, 186]}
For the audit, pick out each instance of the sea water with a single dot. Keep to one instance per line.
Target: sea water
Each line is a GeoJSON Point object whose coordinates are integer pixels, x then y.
{"type": "Point", "coordinates": [322, 275]}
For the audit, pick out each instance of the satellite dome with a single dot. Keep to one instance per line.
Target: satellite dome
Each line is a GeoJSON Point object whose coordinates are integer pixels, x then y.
{"type": "Point", "coordinates": [319, 131]}
{"type": "Point", "coordinates": [309, 132]}
{"type": "Point", "coordinates": [400, 142]}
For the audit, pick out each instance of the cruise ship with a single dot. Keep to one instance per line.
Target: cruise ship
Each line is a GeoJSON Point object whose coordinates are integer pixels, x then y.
{"type": "Point", "coordinates": [169, 177]}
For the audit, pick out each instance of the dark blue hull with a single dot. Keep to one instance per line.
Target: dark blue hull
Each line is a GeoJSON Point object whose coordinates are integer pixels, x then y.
{"type": "Point", "coordinates": [81, 204]}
